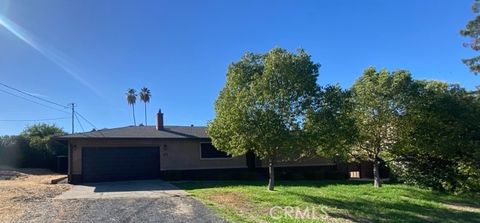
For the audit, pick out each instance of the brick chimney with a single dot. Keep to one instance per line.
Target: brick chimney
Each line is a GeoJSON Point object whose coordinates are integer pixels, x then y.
{"type": "Point", "coordinates": [159, 120]}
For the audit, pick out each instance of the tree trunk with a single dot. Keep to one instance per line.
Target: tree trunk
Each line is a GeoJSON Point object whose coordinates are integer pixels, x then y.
{"type": "Point", "coordinates": [145, 113]}
{"type": "Point", "coordinates": [134, 121]}
{"type": "Point", "coordinates": [376, 173]}
{"type": "Point", "coordinates": [271, 171]}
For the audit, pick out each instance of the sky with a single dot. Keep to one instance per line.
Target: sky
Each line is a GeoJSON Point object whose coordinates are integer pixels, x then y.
{"type": "Point", "coordinates": [90, 52]}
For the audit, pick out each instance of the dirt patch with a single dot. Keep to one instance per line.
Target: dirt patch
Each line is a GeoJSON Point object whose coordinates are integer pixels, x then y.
{"type": "Point", "coordinates": [21, 189]}
{"type": "Point", "coordinates": [235, 200]}
{"type": "Point", "coordinates": [238, 202]}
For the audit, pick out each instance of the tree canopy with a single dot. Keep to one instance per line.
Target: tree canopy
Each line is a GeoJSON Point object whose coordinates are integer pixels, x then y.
{"type": "Point", "coordinates": [263, 104]}
{"type": "Point", "coordinates": [440, 143]}
{"type": "Point", "coordinates": [131, 97]}
{"type": "Point", "coordinates": [363, 123]}
{"type": "Point", "coordinates": [330, 128]}
{"type": "Point", "coordinates": [380, 100]}
{"type": "Point", "coordinates": [40, 135]}
{"type": "Point", "coordinates": [472, 31]}
{"type": "Point", "coordinates": [34, 147]}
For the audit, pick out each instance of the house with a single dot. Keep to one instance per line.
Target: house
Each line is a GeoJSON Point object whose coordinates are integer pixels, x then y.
{"type": "Point", "coordinates": [168, 152]}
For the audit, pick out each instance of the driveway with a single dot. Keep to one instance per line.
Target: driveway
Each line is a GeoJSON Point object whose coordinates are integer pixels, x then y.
{"type": "Point", "coordinates": [124, 189]}
{"type": "Point", "coordinates": [129, 201]}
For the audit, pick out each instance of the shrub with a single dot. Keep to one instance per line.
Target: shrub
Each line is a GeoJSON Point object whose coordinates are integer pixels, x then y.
{"type": "Point", "coordinates": [33, 148]}
{"type": "Point", "coordinates": [439, 173]}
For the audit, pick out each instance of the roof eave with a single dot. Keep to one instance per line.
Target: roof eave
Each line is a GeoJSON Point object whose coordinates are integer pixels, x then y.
{"type": "Point", "coordinates": [133, 138]}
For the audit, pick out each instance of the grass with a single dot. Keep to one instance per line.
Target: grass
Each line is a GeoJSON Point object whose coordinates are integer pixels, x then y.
{"type": "Point", "coordinates": [343, 201]}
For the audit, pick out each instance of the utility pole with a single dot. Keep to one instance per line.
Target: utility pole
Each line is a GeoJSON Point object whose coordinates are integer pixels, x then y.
{"type": "Point", "coordinates": [73, 116]}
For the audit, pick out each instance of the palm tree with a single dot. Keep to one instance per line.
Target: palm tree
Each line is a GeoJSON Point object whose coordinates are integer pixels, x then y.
{"type": "Point", "coordinates": [131, 99]}
{"type": "Point", "coordinates": [145, 97]}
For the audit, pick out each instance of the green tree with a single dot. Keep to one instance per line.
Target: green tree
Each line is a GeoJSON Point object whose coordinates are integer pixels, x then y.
{"type": "Point", "coordinates": [472, 31]}
{"type": "Point", "coordinates": [263, 104]}
{"type": "Point", "coordinates": [38, 146]}
{"type": "Point", "coordinates": [440, 148]}
{"type": "Point", "coordinates": [145, 96]}
{"type": "Point", "coordinates": [40, 135]}
{"type": "Point", "coordinates": [329, 125]}
{"type": "Point", "coordinates": [379, 102]}
{"type": "Point", "coordinates": [131, 100]}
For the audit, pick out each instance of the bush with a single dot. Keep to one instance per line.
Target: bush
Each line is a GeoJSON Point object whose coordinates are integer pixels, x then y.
{"type": "Point", "coordinates": [438, 173]}
{"type": "Point", "coordinates": [439, 147]}
{"type": "Point", "coordinates": [33, 148]}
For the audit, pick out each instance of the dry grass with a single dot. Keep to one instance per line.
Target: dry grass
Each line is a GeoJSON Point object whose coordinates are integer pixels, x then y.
{"type": "Point", "coordinates": [237, 202]}
{"type": "Point", "coordinates": [20, 189]}
{"type": "Point", "coordinates": [231, 199]}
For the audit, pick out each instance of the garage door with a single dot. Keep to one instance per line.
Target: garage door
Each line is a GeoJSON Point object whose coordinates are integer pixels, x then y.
{"type": "Point", "coordinates": [120, 163]}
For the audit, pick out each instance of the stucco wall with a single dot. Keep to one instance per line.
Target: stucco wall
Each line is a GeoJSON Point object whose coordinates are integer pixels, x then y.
{"type": "Point", "coordinates": [174, 154]}
{"type": "Point", "coordinates": [185, 155]}
{"type": "Point", "coordinates": [76, 159]}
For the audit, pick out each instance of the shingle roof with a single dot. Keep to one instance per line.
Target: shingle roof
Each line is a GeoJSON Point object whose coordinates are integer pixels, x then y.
{"type": "Point", "coordinates": [144, 132]}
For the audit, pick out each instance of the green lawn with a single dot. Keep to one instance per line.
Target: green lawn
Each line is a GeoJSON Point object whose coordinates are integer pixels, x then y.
{"type": "Point", "coordinates": [343, 201]}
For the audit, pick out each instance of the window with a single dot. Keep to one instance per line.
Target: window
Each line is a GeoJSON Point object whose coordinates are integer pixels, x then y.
{"type": "Point", "coordinates": [208, 151]}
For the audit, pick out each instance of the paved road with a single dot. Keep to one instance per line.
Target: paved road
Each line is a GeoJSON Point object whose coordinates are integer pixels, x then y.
{"type": "Point", "coordinates": [139, 201]}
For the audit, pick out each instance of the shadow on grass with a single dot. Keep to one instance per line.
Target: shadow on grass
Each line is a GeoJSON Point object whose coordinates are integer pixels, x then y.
{"type": "Point", "coordinates": [393, 203]}
{"type": "Point", "coordinates": [466, 200]}
{"type": "Point", "coordinates": [368, 210]}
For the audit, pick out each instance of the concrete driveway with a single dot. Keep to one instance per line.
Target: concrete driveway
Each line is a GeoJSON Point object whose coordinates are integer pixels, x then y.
{"type": "Point", "coordinates": [129, 201]}
{"type": "Point", "coordinates": [123, 189]}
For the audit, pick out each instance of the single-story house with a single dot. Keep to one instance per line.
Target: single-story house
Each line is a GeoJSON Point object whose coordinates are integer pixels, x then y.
{"type": "Point", "coordinates": [167, 152]}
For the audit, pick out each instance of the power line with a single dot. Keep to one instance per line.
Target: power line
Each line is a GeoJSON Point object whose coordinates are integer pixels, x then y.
{"type": "Point", "coordinates": [32, 120]}
{"type": "Point", "coordinates": [81, 116]}
{"type": "Point", "coordinates": [78, 120]}
{"type": "Point", "coordinates": [24, 98]}
{"type": "Point", "coordinates": [31, 95]}
{"type": "Point", "coordinates": [72, 105]}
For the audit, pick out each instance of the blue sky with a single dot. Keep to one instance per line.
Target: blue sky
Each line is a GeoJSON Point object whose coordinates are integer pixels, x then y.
{"type": "Point", "coordinates": [90, 52]}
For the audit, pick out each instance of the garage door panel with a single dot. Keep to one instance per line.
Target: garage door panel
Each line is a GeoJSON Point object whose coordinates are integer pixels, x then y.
{"type": "Point", "coordinates": [120, 163]}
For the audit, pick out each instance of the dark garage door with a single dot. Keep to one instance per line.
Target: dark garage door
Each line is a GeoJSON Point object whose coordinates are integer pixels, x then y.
{"type": "Point", "coordinates": [120, 163]}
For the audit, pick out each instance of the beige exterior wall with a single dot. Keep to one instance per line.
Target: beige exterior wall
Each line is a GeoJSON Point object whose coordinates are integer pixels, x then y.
{"type": "Point", "coordinates": [185, 155]}
{"type": "Point", "coordinates": [76, 159]}
{"type": "Point", "coordinates": [174, 154]}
